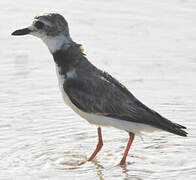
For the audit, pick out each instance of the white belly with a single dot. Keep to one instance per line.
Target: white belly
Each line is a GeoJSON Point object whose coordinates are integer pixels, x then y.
{"type": "Point", "coordinates": [136, 128]}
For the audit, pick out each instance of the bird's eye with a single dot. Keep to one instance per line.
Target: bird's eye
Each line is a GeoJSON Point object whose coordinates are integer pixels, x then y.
{"type": "Point", "coordinates": [39, 25]}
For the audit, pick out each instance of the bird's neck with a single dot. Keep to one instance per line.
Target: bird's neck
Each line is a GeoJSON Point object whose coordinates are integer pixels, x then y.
{"type": "Point", "coordinates": [60, 42]}
{"type": "Point", "coordinates": [68, 59]}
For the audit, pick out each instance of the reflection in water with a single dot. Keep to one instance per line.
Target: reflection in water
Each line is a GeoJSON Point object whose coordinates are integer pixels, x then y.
{"type": "Point", "coordinates": [74, 163]}
{"type": "Point", "coordinates": [127, 173]}
{"type": "Point", "coordinates": [99, 168]}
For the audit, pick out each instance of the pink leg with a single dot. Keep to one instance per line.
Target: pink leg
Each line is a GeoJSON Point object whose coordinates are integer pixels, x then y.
{"type": "Point", "coordinates": [131, 138]}
{"type": "Point", "coordinates": [99, 145]}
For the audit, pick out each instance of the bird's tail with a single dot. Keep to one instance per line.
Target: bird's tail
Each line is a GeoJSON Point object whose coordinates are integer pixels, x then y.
{"type": "Point", "coordinates": [174, 128]}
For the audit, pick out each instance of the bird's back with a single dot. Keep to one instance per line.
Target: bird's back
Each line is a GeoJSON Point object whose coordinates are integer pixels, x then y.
{"type": "Point", "coordinates": [96, 92]}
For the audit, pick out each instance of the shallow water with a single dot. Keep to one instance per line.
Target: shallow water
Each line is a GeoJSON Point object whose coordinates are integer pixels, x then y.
{"type": "Point", "coordinates": [148, 45]}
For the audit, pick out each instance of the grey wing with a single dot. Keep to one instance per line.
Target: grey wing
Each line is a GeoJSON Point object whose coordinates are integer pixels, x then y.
{"type": "Point", "coordinates": [101, 96]}
{"type": "Point", "coordinates": [107, 97]}
{"type": "Point", "coordinates": [95, 96]}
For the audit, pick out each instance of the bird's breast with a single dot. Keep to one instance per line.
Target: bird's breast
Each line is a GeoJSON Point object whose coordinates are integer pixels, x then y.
{"type": "Point", "coordinates": [136, 128]}
{"type": "Point", "coordinates": [61, 80]}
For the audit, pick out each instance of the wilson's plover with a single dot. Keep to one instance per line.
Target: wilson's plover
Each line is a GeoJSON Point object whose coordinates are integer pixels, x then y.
{"type": "Point", "coordinates": [94, 94]}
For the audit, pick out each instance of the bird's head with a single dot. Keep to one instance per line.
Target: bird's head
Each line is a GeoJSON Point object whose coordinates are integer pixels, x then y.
{"type": "Point", "coordinates": [52, 28]}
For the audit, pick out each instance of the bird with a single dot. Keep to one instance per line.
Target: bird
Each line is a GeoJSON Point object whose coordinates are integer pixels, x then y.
{"type": "Point", "coordinates": [94, 94]}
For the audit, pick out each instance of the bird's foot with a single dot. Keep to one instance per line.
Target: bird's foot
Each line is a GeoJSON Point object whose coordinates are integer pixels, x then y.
{"type": "Point", "coordinates": [124, 163]}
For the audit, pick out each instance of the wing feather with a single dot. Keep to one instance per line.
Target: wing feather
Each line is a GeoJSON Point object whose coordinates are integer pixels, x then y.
{"type": "Point", "coordinates": [103, 95]}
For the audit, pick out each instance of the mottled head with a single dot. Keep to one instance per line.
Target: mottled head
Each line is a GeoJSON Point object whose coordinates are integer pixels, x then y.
{"type": "Point", "coordinates": [52, 28]}
{"type": "Point", "coordinates": [50, 24]}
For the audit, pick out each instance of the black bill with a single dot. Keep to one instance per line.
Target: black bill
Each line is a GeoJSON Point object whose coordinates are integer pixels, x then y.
{"type": "Point", "coordinates": [21, 32]}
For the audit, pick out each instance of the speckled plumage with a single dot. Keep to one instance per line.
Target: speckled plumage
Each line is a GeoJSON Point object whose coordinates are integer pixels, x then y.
{"type": "Point", "coordinates": [56, 24]}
